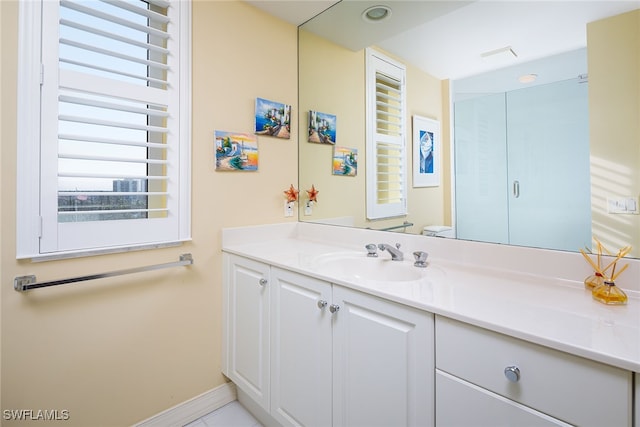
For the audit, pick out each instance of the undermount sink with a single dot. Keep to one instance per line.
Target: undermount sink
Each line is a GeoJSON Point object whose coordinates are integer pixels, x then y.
{"type": "Point", "coordinates": [360, 267]}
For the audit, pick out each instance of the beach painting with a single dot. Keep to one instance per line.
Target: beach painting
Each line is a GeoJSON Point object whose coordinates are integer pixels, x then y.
{"type": "Point", "coordinates": [273, 118]}
{"type": "Point", "coordinates": [322, 128]}
{"type": "Point", "coordinates": [345, 161]}
{"type": "Point", "coordinates": [236, 151]}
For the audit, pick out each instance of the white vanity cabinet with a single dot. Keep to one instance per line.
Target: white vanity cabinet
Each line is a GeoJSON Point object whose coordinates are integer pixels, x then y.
{"type": "Point", "coordinates": [308, 352]}
{"type": "Point", "coordinates": [337, 357]}
{"type": "Point", "coordinates": [383, 362]}
{"type": "Point", "coordinates": [343, 358]}
{"type": "Point", "coordinates": [301, 349]}
{"type": "Point", "coordinates": [246, 311]}
{"type": "Point", "coordinates": [500, 380]}
{"type": "Point", "coordinates": [636, 411]}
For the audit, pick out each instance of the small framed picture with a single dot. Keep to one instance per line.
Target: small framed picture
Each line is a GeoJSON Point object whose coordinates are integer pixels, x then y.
{"type": "Point", "coordinates": [322, 128]}
{"type": "Point", "coordinates": [235, 151]}
{"type": "Point", "coordinates": [426, 152]}
{"type": "Point", "coordinates": [273, 118]}
{"type": "Point", "coordinates": [345, 161]}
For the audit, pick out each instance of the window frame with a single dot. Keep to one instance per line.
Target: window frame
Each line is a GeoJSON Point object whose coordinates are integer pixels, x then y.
{"type": "Point", "coordinates": [375, 63]}
{"type": "Point", "coordinates": [34, 162]}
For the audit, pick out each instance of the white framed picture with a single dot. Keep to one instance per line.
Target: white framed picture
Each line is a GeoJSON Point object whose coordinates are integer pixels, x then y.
{"type": "Point", "coordinates": [426, 152]}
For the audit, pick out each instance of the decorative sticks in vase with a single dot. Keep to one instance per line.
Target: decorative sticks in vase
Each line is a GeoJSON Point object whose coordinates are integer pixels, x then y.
{"type": "Point", "coordinates": [602, 283]}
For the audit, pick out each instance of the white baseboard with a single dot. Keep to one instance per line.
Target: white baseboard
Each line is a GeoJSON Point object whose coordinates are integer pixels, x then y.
{"type": "Point", "coordinates": [192, 409]}
{"type": "Point", "coordinates": [257, 411]}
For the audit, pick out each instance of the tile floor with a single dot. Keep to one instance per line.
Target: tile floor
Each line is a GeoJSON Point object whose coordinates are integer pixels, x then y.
{"type": "Point", "coordinates": [230, 415]}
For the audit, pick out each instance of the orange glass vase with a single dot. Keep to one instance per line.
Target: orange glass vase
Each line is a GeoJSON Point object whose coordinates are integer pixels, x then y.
{"type": "Point", "coordinates": [593, 281]}
{"type": "Point", "coordinates": [609, 293]}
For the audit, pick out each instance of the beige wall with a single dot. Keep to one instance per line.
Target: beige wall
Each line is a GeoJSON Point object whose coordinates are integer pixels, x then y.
{"type": "Point", "coordinates": [116, 351]}
{"type": "Point", "coordinates": [424, 98]}
{"type": "Point", "coordinates": [614, 117]}
{"type": "Point", "coordinates": [447, 153]}
{"type": "Point", "coordinates": [334, 82]}
{"type": "Point", "coordinates": [5, 42]}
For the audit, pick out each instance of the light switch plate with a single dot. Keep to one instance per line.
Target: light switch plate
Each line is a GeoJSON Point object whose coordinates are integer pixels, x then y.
{"type": "Point", "coordinates": [623, 205]}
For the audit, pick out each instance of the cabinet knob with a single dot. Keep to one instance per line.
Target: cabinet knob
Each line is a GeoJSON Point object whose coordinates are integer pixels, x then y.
{"type": "Point", "coordinates": [322, 304]}
{"type": "Point", "coordinates": [512, 373]}
{"type": "Point", "coordinates": [333, 308]}
{"type": "Point", "coordinates": [263, 282]}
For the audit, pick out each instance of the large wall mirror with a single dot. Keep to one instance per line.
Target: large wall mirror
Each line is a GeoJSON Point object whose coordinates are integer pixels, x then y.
{"type": "Point", "coordinates": [573, 134]}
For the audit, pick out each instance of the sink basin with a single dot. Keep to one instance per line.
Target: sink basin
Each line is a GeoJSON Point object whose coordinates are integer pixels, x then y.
{"type": "Point", "coordinates": [360, 267]}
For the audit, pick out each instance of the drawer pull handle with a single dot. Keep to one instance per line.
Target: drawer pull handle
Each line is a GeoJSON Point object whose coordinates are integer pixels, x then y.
{"type": "Point", "coordinates": [512, 373]}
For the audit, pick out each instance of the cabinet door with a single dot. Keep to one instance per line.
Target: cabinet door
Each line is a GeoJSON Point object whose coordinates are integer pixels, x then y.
{"type": "Point", "coordinates": [637, 405]}
{"type": "Point", "coordinates": [460, 403]}
{"type": "Point", "coordinates": [246, 295]}
{"type": "Point", "coordinates": [300, 349]}
{"type": "Point", "coordinates": [383, 369]}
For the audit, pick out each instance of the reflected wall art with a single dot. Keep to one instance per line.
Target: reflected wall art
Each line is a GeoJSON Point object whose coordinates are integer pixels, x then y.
{"type": "Point", "coordinates": [345, 161]}
{"type": "Point", "coordinates": [322, 128]}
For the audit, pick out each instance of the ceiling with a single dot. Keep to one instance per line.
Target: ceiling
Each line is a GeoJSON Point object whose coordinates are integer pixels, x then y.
{"type": "Point", "coordinates": [454, 38]}
{"type": "Point", "coordinates": [296, 12]}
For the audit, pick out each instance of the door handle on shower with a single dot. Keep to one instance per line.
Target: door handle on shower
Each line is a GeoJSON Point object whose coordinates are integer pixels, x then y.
{"type": "Point", "coordinates": [516, 189]}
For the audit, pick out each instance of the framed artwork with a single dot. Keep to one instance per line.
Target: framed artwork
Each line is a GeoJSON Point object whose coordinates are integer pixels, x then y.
{"type": "Point", "coordinates": [345, 161]}
{"type": "Point", "coordinates": [426, 152]}
{"type": "Point", "coordinates": [322, 128]}
{"type": "Point", "coordinates": [236, 151]}
{"type": "Point", "coordinates": [273, 119]}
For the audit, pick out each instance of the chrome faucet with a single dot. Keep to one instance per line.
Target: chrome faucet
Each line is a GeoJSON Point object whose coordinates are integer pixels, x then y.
{"type": "Point", "coordinates": [371, 250]}
{"type": "Point", "coordinates": [396, 254]}
{"type": "Point", "coordinates": [421, 259]}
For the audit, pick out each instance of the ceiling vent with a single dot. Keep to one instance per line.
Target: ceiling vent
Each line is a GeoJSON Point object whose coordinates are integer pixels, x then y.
{"type": "Point", "coordinates": [503, 52]}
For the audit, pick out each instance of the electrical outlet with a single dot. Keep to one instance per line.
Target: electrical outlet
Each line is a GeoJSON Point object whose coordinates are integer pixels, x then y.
{"type": "Point", "coordinates": [288, 209]}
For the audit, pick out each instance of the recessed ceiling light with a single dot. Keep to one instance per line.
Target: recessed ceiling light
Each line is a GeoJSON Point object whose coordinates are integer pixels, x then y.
{"type": "Point", "coordinates": [527, 78]}
{"type": "Point", "coordinates": [376, 13]}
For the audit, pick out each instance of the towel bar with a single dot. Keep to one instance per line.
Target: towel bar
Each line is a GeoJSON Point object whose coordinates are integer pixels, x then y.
{"type": "Point", "coordinates": [404, 225]}
{"type": "Point", "coordinates": [26, 283]}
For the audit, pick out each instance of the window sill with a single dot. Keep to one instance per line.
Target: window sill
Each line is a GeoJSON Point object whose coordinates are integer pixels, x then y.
{"type": "Point", "coordinates": [105, 251]}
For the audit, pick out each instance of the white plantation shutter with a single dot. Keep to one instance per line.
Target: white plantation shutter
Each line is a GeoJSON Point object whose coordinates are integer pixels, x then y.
{"type": "Point", "coordinates": [114, 124]}
{"type": "Point", "coordinates": [386, 136]}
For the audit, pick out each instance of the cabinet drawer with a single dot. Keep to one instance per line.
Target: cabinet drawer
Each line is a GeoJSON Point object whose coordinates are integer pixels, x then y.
{"type": "Point", "coordinates": [482, 408]}
{"type": "Point", "coordinates": [570, 388]}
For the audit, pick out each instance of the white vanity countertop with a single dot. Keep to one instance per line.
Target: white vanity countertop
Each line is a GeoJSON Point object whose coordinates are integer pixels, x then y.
{"type": "Point", "coordinates": [554, 312]}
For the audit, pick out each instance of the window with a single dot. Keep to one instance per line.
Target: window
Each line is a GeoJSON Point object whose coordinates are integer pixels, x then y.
{"type": "Point", "coordinates": [104, 125]}
{"type": "Point", "coordinates": [386, 137]}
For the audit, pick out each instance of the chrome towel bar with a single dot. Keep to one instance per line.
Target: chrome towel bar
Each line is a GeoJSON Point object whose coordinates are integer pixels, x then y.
{"type": "Point", "coordinates": [26, 283]}
{"type": "Point", "coordinates": [404, 226]}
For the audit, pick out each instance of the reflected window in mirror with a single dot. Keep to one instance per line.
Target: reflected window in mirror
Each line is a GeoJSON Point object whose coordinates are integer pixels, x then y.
{"type": "Point", "coordinates": [386, 137]}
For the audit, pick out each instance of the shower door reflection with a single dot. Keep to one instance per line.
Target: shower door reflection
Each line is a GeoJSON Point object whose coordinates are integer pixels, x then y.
{"type": "Point", "coordinates": [522, 167]}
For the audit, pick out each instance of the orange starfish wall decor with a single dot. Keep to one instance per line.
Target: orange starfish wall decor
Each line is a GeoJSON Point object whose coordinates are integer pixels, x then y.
{"type": "Point", "coordinates": [313, 194]}
{"type": "Point", "coordinates": [291, 194]}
